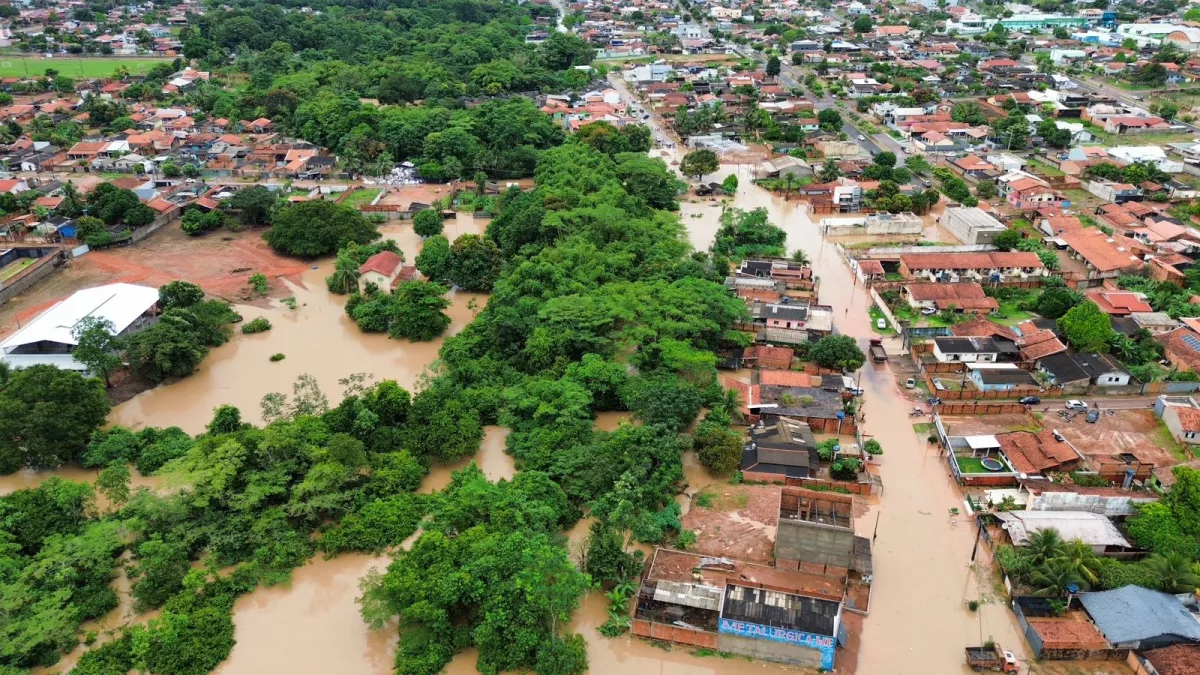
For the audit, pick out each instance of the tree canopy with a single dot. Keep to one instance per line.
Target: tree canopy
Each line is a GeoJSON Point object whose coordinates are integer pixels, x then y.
{"type": "Point", "coordinates": [316, 228]}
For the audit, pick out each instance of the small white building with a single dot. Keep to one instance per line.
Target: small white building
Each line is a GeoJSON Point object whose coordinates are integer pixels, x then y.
{"type": "Point", "coordinates": [1146, 153]}
{"type": "Point", "coordinates": [48, 340]}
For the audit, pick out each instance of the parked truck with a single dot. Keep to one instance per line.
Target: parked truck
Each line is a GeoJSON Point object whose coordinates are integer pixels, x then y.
{"type": "Point", "coordinates": [877, 353]}
{"type": "Point", "coordinates": [991, 657]}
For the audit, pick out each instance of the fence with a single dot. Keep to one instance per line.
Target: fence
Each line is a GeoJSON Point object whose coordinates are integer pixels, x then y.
{"type": "Point", "coordinates": [972, 409]}
{"type": "Point", "coordinates": [855, 488]}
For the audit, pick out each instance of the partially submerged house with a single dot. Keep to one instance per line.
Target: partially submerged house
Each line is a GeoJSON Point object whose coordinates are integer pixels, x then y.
{"type": "Point", "coordinates": [783, 448]}
{"type": "Point", "coordinates": [1094, 530]}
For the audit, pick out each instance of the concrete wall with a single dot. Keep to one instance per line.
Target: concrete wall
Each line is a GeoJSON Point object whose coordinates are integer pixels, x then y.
{"type": "Point", "coordinates": [30, 276]}
{"type": "Point", "coordinates": [871, 225]}
{"type": "Point", "coordinates": [814, 543]}
{"type": "Point", "coordinates": [687, 636]}
{"type": "Point", "coordinates": [765, 650]}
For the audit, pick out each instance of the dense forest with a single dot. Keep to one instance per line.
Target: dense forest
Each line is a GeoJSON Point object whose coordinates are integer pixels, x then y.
{"type": "Point", "coordinates": [349, 80]}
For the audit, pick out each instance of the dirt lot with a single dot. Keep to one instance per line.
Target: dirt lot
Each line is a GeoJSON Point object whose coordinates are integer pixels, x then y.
{"type": "Point", "coordinates": [736, 521]}
{"type": "Point", "coordinates": [166, 255]}
{"type": "Point", "coordinates": [982, 425]}
{"type": "Point", "coordinates": [1135, 431]}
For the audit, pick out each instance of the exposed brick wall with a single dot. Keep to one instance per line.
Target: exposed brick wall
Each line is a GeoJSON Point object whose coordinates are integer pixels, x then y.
{"type": "Point", "coordinates": [678, 634]}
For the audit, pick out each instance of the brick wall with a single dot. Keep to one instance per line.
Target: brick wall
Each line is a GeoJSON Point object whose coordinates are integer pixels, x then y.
{"type": "Point", "coordinates": [678, 634]}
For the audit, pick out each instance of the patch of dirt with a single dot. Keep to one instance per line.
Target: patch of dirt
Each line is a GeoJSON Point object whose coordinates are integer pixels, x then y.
{"type": "Point", "coordinates": [1134, 431]}
{"type": "Point", "coordinates": [739, 522]}
{"type": "Point", "coordinates": [982, 425]}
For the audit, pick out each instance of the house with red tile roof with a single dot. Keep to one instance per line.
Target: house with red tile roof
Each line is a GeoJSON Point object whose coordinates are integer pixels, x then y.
{"type": "Point", "coordinates": [1103, 256]}
{"type": "Point", "coordinates": [952, 267]}
{"type": "Point", "coordinates": [1030, 194]}
{"type": "Point", "coordinates": [1035, 453]}
{"type": "Point", "coordinates": [1181, 415]}
{"type": "Point", "coordinates": [1119, 303]}
{"type": "Point", "coordinates": [967, 297]}
{"type": "Point", "coordinates": [1181, 347]}
{"type": "Point", "coordinates": [381, 269]}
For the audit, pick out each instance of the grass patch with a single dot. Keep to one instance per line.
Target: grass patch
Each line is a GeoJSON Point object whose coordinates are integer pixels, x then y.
{"type": "Point", "coordinates": [973, 464]}
{"type": "Point", "coordinates": [876, 315]}
{"type": "Point", "coordinates": [11, 270]}
{"type": "Point", "coordinates": [705, 499]}
{"type": "Point", "coordinates": [1044, 168]}
{"type": "Point", "coordinates": [1010, 314]}
{"type": "Point", "coordinates": [361, 198]}
{"type": "Point", "coordinates": [923, 428]}
{"type": "Point", "coordinates": [1164, 439]}
{"type": "Point", "coordinates": [22, 66]}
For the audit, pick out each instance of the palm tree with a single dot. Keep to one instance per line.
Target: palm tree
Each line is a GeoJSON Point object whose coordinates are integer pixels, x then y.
{"type": "Point", "coordinates": [1055, 578]}
{"type": "Point", "coordinates": [800, 257]}
{"type": "Point", "coordinates": [1174, 572]}
{"type": "Point", "coordinates": [732, 402]}
{"type": "Point", "coordinates": [788, 180]}
{"type": "Point", "coordinates": [829, 171]}
{"type": "Point", "coordinates": [1043, 546]}
{"type": "Point", "coordinates": [1080, 557]}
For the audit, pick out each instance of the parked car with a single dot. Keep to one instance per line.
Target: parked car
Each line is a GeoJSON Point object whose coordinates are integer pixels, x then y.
{"type": "Point", "coordinates": [1030, 400]}
{"type": "Point", "coordinates": [1076, 405]}
{"type": "Point", "coordinates": [861, 137]}
{"type": "Point", "coordinates": [1093, 415]}
{"type": "Point", "coordinates": [929, 311]}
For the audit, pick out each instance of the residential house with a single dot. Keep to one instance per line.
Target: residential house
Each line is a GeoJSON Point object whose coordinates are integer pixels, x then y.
{"type": "Point", "coordinates": [970, 225]}
{"type": "Point", "coordinates": [1094, 530]}
{"type": "Point", "coordinates": [965, 297]}
{"type": "Point", "coordinates": [1181, 415]}
{"type": "Point", "coordinates": [783, 448]}
{"type": "Point", "coordinates": [1110, 191]}
{"type": "Point", "coordinates": [1152, 154]}
{"type": "Point", "coordinates": [999, 377]}
{"type": "Point", "coordinates": [1104, 257]}
{"type": "Point", "coordinates": [953, 267]}
{"type": "Point", "coordinates": [384, 269]}
{"type": "Point", "coordinates": [965, 349]}
{"type": "Point", "coordinates": [1133, 617]}
{"type": "Point", "coordinates": [1119, 303]}
{"type": "Point", "coordinates": [1080, 370]}
{"type": "Point", "coordinates": [1182, 346]}
{"type": "Point", "coordinates": [1031, 194]}
{"type": "Point", "coordinates": [1035, 453]}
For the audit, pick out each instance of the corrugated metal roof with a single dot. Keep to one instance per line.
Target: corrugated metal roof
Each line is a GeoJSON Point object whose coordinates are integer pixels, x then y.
{"type": "Point", "coordinates": [121, 304]}
{"type": "Point", "coordinates": [1133, 613]}
{"type": "Point", "coordinates": [1092, 528]}
{"type": "Point", "coordinates": [688, 595]}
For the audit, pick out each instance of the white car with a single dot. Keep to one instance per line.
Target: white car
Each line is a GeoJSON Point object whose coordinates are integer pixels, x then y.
{"type": "Point", "coordinates": [861, 137]}
{"type": "Point", "coordinates": [1076, 405]}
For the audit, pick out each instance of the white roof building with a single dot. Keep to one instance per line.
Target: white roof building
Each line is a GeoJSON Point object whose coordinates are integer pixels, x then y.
{"type": "Point", "coordinates": [48, 340]}
{"type": "Point", "coordinates": [1146, 153]}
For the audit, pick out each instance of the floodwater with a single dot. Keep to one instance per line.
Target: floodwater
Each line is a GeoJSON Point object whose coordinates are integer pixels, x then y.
{"type": "Point", "coordinates": [311, 625]}
{"type": "Point", "coordinates": [491, 459]}
{"type": "Point", "coordinates": [316, 338]}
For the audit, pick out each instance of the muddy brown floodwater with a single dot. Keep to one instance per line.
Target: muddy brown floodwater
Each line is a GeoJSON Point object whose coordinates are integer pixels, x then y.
{"type": "Point", "coordinates": [316, 338]}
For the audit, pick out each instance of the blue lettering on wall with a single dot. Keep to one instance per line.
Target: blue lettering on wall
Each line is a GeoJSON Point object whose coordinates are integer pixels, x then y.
{"type": "Point", "coordinates": [822, 643]}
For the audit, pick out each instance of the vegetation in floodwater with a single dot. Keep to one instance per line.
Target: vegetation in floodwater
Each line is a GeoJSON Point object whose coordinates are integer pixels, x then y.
{"type": "Point", "coordinates": [258, 325]}
{"type": "Point", "coordinates": [277, 357]}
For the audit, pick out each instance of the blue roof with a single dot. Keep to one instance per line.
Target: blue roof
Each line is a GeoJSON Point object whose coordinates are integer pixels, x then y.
{"type": "Point", "coordinates": [1133, 613]}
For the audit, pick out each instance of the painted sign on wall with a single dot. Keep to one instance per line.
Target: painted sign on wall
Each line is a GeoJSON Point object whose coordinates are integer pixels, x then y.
{"type": "Point", "coordinates": [821, 643]}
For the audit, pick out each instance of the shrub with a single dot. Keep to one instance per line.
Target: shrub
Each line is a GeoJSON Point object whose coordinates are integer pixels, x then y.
{"type": "Point", "coordinates": [258, 281]}
{"type": "Point", "coordinates": [258, 325]}
{"type": "Point", "coordinates": [277, 357]}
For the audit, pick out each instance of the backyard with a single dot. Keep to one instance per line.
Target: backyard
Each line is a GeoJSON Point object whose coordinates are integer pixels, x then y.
{"type": "Point", "coordinates": [975, 464]}
{"type": "Point", "coordinates": [12, 269]}
{"type": "Point", "coordinates": [22, 66]}
{"type": "Point", "coordinates": [361, 197]}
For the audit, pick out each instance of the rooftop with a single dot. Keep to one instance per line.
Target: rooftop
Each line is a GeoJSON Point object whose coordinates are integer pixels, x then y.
{"type": "Point", "coordinates": [1133, 613]}
{"type": "Point", "coordinates": [1034, 453]}
{"type": "Point", "coordinates": [121, 304]}
{"type": "Point", "coordinates": [1092, 528]}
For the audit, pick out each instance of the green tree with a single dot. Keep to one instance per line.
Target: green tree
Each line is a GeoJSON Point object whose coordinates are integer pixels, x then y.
{"type": "Point", "coordinates": [773, 66]}
{"type": "Point", "coordinates": [256, 205]}
{"type": "Point", "coordinates": [318, 228]}
{"type": "Point", "coordinates": [427, 223]}
{"type": "Point", "coordinates": [419, 310]}
{"type": "Point", "coordinates": [830, 120]}
{"type": "Point", "coordinates": [699, 163]}
{"type": "Point", "coordinates": [1043, 546]}
{"type": "Point", "coordinates": [47, 416]}
{"type": "Point", "coordinates": [837, 351]}
{"type": "Point", "coordinates": [178, 295]}
{"type": "Point", "coordinates": [1173, 571]}
{"type": "Point", "coordinates": [862, 24]}
{"type": "Point", "coordinates": [96, 346]}
{"type": "Point", "coordinates": [474, 263]}
{"type": "Point", "coordinates": [1054, 578]}
{"type": "Point", "coordinates": [718, 447]}
{"type": "Point", "coordinates": [829, 171]}
{"type": "Point", "coordinates": [159, 572]}
{"type": "Point", "coordinates": [434, 259]}
{"type": "Point", "coordinates": [1055, 302]}
{"type": "Point", "coordinates": [746, 234]}
{"type": "Point", "coordinates": [1008, 239]}
{"type": "Point", "coordinates": [1086, 327]}
{"type": "Point", "coordinates": [113, 483]}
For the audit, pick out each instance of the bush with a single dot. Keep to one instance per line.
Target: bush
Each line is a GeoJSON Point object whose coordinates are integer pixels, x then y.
{"type": "Point", "coordinates": [427, 223]}
{"type": "Point", "coordinates": [277, 357]}
{"type": "Point", "coordinates": [258, 325]}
